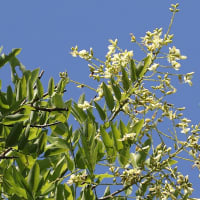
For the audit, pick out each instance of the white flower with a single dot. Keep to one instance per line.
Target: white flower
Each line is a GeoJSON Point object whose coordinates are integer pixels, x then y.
{"type": "Point", "coordinates": [85, 105]}
{"type": "Point", "coordinates": [187, 78]}
{"type": "Point", "coordinates": [153, 67]}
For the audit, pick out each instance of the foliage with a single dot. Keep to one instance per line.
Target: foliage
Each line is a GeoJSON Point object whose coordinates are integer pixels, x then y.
{"type": "Point", "coordinates": [122, 129]}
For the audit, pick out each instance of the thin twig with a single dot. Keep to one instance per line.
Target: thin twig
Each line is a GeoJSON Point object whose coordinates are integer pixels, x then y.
{"type": "Point", "coordinates": [114, 193]}
{"type": "Point", "coordinates": [35, 126]}
{"type": "Point", "coordinates": [44, 125]}
{"type": "Point", "coordinates": [39, 77]}
{"type": "Point", "coordinates": [49, 109]}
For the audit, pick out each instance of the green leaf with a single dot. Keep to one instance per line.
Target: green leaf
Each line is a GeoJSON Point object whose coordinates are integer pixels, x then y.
{"type": "Point", "coordinates": [100, 177]}
{"type": "Point", "coordinates": [40, 90]}
{"type": "Point", "coordinates": [78, 113]}
{"type": "Point", "coordinates": [30, 90]}
{"type": "Point", "coordinates": [107, 192]}
{"type": "Point", "coordinates": [125, 79]}
{"type": "Point", "coordinates": [60, 192]}
{"type": "Point", "coordinates": [57, 100]}
{"type": "Point", "coordinates": [116, 90]}
{"type": "Point", "coordinates": [60, 169]}
{"type": "Point", "coordinates": [107, 140]}
{"type": "Point", "coordinates": [51, 86]}
{"type": "Point", "coordinates": [9, 94]}
{"type": "Point", "coordinates": [24, 138]}
{"type": "Point", "coordinates": [12, 119]}
{"type": "Point", "coordinates": [57, 142]}
{"type": "Point", "coordinates": [133, 71]}
{"type": "Point", "coordinates": [108, 97]}
{"type": "Point", "coordinates": [33, 177]}
{"type": "Point", "coordinates": [34, 75]}
{"type": "Point", "coordinates": [81, 99]}
{"type": "Point", "coordinates": [142, 154]}
{"type": "Point", "coordinates": [117, 137]}
{"type": "Point", "coordinates": [124, 156]}
{"type": "Point", "coordinates": [172, 162]}
{"type": "Point", "coordinates": [142, 69]}
{"type": "Point", "coordinates": [3, 102]}
{"type": "Point", "coordinates": [70, 163]}
{"type": "Point", "coordinates": [101, 112]}
{"type": "Point", "coordinates": [42, 141]}
{"type": "Point", "coordinates": [13, 137]}
{"type": "Point", "coordinates": [79, 160]}
{"type": "Point", "coordinates": [138, 127]}
{"type": "Point", "coordinates": [6, 58]}
{"type": "Point", "coordinates": [55, 151]}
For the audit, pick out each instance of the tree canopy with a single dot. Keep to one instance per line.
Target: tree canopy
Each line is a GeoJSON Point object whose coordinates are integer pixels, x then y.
{"type": "Point", "coordinates": [125, 142]}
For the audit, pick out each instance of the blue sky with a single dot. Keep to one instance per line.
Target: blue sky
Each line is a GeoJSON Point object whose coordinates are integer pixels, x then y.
{"type": "Point", "coordinates": [46, 30]}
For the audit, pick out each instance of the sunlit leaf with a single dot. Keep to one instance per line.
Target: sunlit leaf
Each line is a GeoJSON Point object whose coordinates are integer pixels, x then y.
{"type": "Point", "coordinates": [40, 90]}
{"type": "Point", "coordinates": [133, 74]}
{"type": "Point", "coordinates": [117, 137]}
{"type": "Point", "coordinates": [51, 86]}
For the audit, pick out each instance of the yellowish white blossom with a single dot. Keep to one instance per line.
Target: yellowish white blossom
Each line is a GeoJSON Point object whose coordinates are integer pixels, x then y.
{"type": "Point", "coordinates": [187, 78]}
{"type": "Point", "coordinates": [85, 105]}
{"type": "Point", "coordinates": [153, 40]}
{"type": "Point", "coordinates": [128, 136]}
{"type": "Point", "coordinates": [153, 67]}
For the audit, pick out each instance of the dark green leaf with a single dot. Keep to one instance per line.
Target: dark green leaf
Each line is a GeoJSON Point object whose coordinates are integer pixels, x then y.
{"type": "Point", "coordinates": [13, 137]}
{"type": "Point", "coordinates": [108, 97]}
{"type": "Point", "coordinates": [125, 79]}
{"type": "Point", "coordinates": [30, 90]}
{"type": "Point", "coordinates": [9, 95]}
{"type": "Point", "coordinates": [70, 163]}
{"type": "Point", "coordinates": [101, 112]}
{"type": "Point", "coordinates": [55, 151]}
{"type": "Point", "coordinates": [60, 192]}
{"type": "Point", "coordinates": [33, 177]}
{"type": "Point", "coordinates": [12, 119]}
{"type": "Point", "coordinates": [24, 138]}
{"type": "Point", "coordinates": [116, 90]}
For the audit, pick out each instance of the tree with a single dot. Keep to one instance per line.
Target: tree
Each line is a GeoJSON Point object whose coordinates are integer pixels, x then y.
{"type": "Point", "coordinates": [128, 138]}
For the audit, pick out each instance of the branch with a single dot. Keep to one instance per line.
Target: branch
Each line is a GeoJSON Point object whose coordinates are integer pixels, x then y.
{"type": "Point", "coordinates": [3, 155]}
{"type": "Point", "coordinates": [35, 126]}
{"type": "Point", "coordinates": [114, 193]}
{"type": "Point", "coordinates": [50, 109]}
{"type": "Point", "coordinates": [44, 125]}
{"type": "Point", "coordinates": [39, 77]}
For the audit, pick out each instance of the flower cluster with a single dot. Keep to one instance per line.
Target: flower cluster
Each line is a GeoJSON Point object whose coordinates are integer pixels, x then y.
{"type": "Point", "coordinates": [85, 105]}
{"type": "Point", "coordinates": [153, 41]}
{"type": "Point", "coordinates": [130, 176]}
{"type": "Point", "coordinates": [82, 54]}
{"type": "Point", "coordinates": [78, 179]}
{"type": "Point", "coordinates": [184, 124]}
{"type": "Point", "coordinates": [173, 56]}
